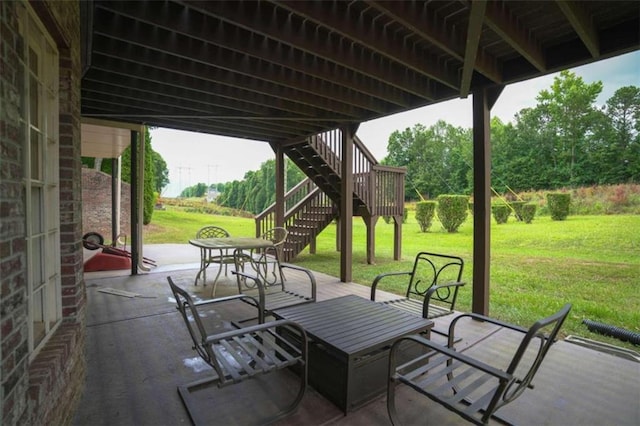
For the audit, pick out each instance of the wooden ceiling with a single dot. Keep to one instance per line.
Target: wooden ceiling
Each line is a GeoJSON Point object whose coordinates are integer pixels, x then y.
{"type": "Point", "coordinates": [282, 70]}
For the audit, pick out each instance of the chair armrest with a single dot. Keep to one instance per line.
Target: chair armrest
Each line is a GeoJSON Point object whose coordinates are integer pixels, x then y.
{"type": "Point", "coordinates": [377, 279]}
{"type": "Point", "coordinates": [448, 352]}
{"type": "Point", "coordinates": [224, 299]}
{"type": "Point", "coordinates": [215, 338]}
{"type": "Point", "coordinates": [483, 318]}
{"type": "Point", "coordinates": [312, 278]}
{"type": "Point", "coordinates": [243, 297]}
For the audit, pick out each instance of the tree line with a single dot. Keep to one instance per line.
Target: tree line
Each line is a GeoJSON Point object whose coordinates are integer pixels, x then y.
{"type": "Point", "coordinates": [566, 140]}
{"type": "Point", "coordinates": [255, 192]}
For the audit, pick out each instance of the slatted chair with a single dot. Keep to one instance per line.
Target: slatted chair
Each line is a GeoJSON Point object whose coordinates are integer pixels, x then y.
{"type": "Point", "coordinates": [268, 260]}
{"type": "Point", "coordinates": [275, 294]}
{"type": "Point", "coordinates": [432, 287]}
{"type": "Point", "coordinates": [465, 384]}
{"type": "Point", "coordinates": [242, 353]}
{"type": "Point", "coordinates": [207, 256]}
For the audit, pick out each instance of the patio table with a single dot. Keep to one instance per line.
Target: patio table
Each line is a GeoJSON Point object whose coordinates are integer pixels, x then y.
{"type": "Point", "coordinates": [349, 341]}
{"type": "Point", "coordinates": [224, 245]}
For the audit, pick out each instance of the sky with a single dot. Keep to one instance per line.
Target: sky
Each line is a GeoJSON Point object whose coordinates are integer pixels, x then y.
{"type": "Point", "coordinates": [194, 157]}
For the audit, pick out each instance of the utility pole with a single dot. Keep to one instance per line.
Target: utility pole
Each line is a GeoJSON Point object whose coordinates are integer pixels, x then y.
{"type": "Point", "coordinates": [180, 168]}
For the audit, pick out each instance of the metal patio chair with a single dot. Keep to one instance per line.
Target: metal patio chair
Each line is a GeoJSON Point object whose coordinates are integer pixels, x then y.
{"type": "Point", "coordinates": [467, 385]}
{"type": "Point", "coordinates": [432, 285]}
{"type": "Point", "coordinates": [267, 261]}
{"type": "Point", "coordinates": [243, 353]}
{"type": "Point", "coordinates": [207, 256]}
{"type": "Point", "coordinates": [272, 295]}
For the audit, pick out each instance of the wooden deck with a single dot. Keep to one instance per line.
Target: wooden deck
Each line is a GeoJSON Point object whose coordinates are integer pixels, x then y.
{"type": "Point", "coordinates": [138, 352]}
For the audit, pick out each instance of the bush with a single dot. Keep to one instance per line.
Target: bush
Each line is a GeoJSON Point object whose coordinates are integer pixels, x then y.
{"type": "Point", "coordinates": [501, 213]}
{"type": "Point", "coordinates": [517, 207]}
{"type": "Point", "coordinates": [528, 212]}
{"type": "Point", "coordinates": [452, 211]}
{"type": "Point", "coordinates": [425, 211]}
{"type": "Point", "coordinates": [559, 203]}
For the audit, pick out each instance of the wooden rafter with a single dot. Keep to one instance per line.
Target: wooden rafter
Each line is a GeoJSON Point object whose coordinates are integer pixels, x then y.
{"type": "Point", "coordinates": [508, 27]}
{"type": "Point", "coordinates": [581, 21]}
{"type": "Point", "coordinates": [476, 17]}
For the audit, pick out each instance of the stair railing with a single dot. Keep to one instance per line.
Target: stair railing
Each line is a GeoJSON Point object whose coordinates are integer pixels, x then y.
{"type": "Point", "coordinates": [267, 219]}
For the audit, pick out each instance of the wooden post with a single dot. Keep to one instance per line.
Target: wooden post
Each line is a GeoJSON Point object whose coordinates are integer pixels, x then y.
{"type": "Point", "coordinates": [280, 186]}
{"type": "Point", "coordinates": [483, 100]}
{"type": "Point", "coordinates": [135, 235]}
{"type": "Point", "coordinates": [346, 205]}
{"type": "Point", "coordinates": [370, 223]}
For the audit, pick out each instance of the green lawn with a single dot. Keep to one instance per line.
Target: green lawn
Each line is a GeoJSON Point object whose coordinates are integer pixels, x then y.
{"type": "Point", "coordinates": [590, 261]}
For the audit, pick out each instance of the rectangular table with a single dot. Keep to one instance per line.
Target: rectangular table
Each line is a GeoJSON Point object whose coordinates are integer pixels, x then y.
{"type": "Point", "coordinates": [349, 340]}
{"type": "Point", "coordinates": [224, 245]}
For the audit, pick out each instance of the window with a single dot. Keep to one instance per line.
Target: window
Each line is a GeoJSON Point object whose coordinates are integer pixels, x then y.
{"type": "Point", "coordinates": [39, 127]}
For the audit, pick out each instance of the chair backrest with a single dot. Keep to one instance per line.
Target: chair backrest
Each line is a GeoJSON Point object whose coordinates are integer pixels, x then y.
{"type": "Point", "coordinates": [212, 231]}
{"type": "Point", "coordinates": [197, 331]}
{"type": "Point", "coordinates": [544, 332]}
{"type": "Point", "coordinates": [277, 235]}
{"type": "Point", "coordinates": [431, 269]}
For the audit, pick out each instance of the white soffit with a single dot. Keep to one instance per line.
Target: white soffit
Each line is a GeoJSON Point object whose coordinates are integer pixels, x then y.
{"type": "Point", "coordinates": [104, 139]}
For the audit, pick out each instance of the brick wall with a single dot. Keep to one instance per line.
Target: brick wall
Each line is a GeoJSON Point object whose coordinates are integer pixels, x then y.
{"type": "Point", "coordinates": [96, 204]}
{"type": "Point", "coordinates": [46, 389]}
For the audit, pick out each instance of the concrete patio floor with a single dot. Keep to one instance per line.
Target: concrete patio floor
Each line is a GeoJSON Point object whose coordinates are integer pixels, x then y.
{"type": "Point", "coordinates": [138, 352]}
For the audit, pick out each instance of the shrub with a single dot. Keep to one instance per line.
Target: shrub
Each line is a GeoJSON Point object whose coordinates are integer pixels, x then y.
{"type": "Point", "coordinates": [452, 211]}
{"type": "Point", "coordinates": [501, 213]}
{"type": "Point", "coordinates": [517, 207]}
{"type": "Point", "coordinates": [559, 203]}
{"type": "Point", "coordinates": [528, 212]}
{"type": "Point", "coordinates": [425, 210]}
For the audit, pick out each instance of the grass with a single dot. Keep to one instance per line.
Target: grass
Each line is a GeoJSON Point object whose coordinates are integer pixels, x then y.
{"type": "Point", "coordinates": [590, 261]}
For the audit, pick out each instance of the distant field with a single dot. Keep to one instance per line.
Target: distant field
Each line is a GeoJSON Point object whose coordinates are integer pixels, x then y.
{"type": "Point", "coordinates": [590, 261]}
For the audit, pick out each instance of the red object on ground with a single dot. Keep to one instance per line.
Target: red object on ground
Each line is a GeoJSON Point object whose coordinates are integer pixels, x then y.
{"type": "Point", "coordinates": [107, 262]}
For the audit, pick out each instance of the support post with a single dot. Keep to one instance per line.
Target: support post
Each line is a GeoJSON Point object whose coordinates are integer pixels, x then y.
{"type": "Point", "coordinates": [115, 199]}
{"type": "Point", "coordinates": [134, 203]}
{"type": "Point", "coordinates": [346, 205]}
{"type": "Point", "coordinates": [483, 100]}
{"type": "Point", "coordinates": [280, 186]}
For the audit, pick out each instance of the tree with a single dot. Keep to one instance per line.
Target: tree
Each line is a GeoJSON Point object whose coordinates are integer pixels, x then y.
{"type": "Point", "coordinates": [437, 159]}
{"type": "Point", "coordinates": [161, 177]}
{"type": "Point", "coordinates": [623, 111]}
{"type": "Point", "coordinates": [569, 113]}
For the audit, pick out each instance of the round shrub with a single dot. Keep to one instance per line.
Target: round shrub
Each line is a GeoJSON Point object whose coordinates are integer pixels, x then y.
{"type": "Point", "coordinates": [425, 211]}
{"type": "Point", "coordinates": [558, 203]}
{"type": "Point", "coordinates": [501, 213]}
{"type": "Point", "coordinates": [452, 211]}
{"type": "Point", "coordinates": [528, 212]}
{"type": "Point", "coordinates": [517, 209]}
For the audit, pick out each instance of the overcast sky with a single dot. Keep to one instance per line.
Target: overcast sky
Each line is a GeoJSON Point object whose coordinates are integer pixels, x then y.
{"type": "Point", "coordinates": [193, 157]}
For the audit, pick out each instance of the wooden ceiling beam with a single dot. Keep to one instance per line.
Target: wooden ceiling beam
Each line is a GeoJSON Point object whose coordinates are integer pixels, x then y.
{"type": "Point", "coordinates": [190, 108]}
{"type": "Point", "coordinates": [364, 66]}
{"type": "Point", "coordinates": [449, 40]}
{"type": "Point", "coordinates": [252, 96]}
{"type": "Point", "coordinates": [372, 38]}
{"type": "Point", "coordinates": [474, 28]}
{"type": "Point", "coordinates": [101, 108]}
{"type": "Point", "coordinates": [212, 31]}
{"type": "Point", "coordinates": [582, 23]}
{"type": "Point", "coordinates": [283, 84]}
{"type": "Point", "coordinates": [500, 20]}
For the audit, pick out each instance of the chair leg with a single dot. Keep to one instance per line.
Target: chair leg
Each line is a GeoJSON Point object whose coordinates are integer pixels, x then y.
{"type": "Point", "coordinates": [215, 282]}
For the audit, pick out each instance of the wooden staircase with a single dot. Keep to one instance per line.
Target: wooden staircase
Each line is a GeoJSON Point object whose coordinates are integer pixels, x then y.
{"type": "Point", "coordinates": [313, 204]}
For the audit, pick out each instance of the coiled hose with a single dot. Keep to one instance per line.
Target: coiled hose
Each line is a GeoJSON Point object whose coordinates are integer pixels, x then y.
{"type": "Point", "coordinates": [610, 330]}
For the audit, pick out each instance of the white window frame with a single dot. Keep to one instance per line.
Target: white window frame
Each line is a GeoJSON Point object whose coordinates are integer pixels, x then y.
{"type": "Point", "coordinates": [39, 120]}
